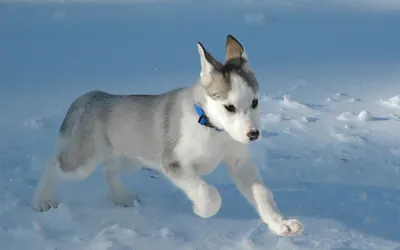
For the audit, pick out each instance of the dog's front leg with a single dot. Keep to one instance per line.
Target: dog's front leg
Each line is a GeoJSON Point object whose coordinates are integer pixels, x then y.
{"type": "Point", "coordinates": [205, 197]}
{"type": "Point", "coordinates": [245, 174]}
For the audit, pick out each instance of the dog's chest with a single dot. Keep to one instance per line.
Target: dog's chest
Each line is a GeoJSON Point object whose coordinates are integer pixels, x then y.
{"type": "Point", "coordinates": [202, 150]}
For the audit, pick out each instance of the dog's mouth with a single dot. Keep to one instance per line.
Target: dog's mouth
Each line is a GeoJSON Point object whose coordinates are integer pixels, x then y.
{"type": "Point", "coordinates": [248, 138]}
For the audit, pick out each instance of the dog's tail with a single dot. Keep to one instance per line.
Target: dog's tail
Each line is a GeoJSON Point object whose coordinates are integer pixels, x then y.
{"type": "Point", "coordinates": [74, 112]}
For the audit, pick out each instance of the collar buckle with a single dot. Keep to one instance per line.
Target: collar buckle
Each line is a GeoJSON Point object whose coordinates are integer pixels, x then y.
{"type": "Point", "coordinates": [203, 119]}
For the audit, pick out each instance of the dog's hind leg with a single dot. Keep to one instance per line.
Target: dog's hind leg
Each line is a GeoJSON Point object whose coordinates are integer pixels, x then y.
{"type": "Point", "coordinates": [44, 196]}
{"type": "Point", "coordinates": [43, 199]}
{"type": "Point", "coordinates": [75, 160]}
{"type": "Point", "coordinates": [112, 169]}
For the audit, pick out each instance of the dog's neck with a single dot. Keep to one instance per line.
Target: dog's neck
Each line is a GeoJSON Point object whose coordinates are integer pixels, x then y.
{"type": "Point", "coordinates": [199, 103]}
{"type": "Point", "coordinates": [203, 118]}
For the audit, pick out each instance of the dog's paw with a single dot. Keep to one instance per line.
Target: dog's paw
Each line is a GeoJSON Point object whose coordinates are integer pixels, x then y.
{"type": "Point", "coordinates": [45, 205]}
{"type": "Point", "coordinates": [208, 202]}
{"type": "Point", "coordinates": [289, 227]}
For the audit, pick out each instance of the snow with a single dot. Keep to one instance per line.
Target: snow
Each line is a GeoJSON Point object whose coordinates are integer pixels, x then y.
{"type": "Point", "coordinates": [330, 102]}
{"type": "Point", "coordinates": [392, 102]}
{"type": "Point", "coordinates": [365, 115]}
{"type": "Point", "coordinates": [386, 5]}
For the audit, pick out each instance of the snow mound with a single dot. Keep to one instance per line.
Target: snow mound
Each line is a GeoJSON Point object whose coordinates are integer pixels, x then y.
{"type": "Point", "coordinates": [41, 123]}
{"type": "Point", "coordinates": [166, 233]}
{"type": "Point", "coordinates": [274, 118]}
{"type": "Point", "coordinates": [393, 102]}
{"type": "Point", "coordinates": [309, 119]}
{"type": "Point", "coordinates": [289, 103]}
{"type": "Point", "coordinates": [339, 95]}
{"type": "Point", "coordinates": [354, 100]}
{"type": "Point", "coordinates": [34, 123]}
{"type": "Point", "coordinates": [365, 115]}
{"type": "Point", "coordinates": [330, 99]}
{"type": "Point", "coordinates": [347, 137]}
{"type": "Point", "coordinates": [346, 116]}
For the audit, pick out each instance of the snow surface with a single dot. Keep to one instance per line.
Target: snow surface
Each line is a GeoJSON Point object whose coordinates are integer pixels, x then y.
{"type": "Point", "coordinates": [363, 5]}
{"type": "Point", "coordinates": [330, 100]}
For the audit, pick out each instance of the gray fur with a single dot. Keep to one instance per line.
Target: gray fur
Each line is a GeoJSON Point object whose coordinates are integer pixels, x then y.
{"type": "Point", "coordinates": [239, 66]}
{"type": "Point", "coordinates": [220, 86]}
{"type": "Point", "coordinates": [221, 83]}
{"type": "Point", "coordinates": [97, 110]}
{"type": "Point", "coordinates": [171, 127]}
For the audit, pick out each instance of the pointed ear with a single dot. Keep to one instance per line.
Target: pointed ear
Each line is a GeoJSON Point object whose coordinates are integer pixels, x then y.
{"type": "Point", "coordinates": [234, 49]}
{"type": "Point", "coordinates": [208, 62]}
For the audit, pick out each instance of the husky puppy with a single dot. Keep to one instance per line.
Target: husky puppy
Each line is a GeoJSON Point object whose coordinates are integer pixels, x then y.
{"type": "Point", "coordinates": [184, 134]}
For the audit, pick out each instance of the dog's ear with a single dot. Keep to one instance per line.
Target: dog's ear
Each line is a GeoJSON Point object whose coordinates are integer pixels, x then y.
{"type": "Point", "coordinates": [234, 49]}
{"type": "Point", "coordinates": [208, 62]}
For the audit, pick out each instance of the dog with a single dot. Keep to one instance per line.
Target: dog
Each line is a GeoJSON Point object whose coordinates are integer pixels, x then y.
{"type": "Point", "coordinates": [184, 134]}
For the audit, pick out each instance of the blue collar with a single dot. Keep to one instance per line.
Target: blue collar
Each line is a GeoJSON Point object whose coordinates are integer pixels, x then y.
{"type": "Point", "coordinates": [203, 119]}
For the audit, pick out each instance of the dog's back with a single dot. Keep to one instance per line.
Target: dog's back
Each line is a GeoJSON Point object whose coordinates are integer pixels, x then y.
{"type": "Point", "coordinates": [76, 109]}
{"type": "Point", "coordinates": [99, 124]}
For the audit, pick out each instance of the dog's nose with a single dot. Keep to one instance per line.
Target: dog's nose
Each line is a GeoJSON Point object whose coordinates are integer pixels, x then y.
{"type": "Point", "coordinates": [253, 135]}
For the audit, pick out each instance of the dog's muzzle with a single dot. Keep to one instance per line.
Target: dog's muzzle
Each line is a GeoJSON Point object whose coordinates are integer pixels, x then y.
{"type": "Point", "coordinates": [253, 135]}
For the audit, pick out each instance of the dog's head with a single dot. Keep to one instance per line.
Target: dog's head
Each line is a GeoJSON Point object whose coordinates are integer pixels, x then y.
{"type": "Point", "coordinates": [231, 92]}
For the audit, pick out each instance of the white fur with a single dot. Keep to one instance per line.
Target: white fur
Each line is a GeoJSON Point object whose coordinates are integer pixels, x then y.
{"type": "Point", "coordinates": [206, 67]}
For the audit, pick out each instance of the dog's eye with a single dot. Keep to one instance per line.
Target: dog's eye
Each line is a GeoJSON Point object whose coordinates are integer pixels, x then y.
{"type": "Point", "coordinates": [230, 108]}
{"type": "Point", "coordinates": [254, 104]}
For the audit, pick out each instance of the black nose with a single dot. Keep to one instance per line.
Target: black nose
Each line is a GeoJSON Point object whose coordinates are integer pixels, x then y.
{"type": "Point", "coordinates": [253, 135]}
